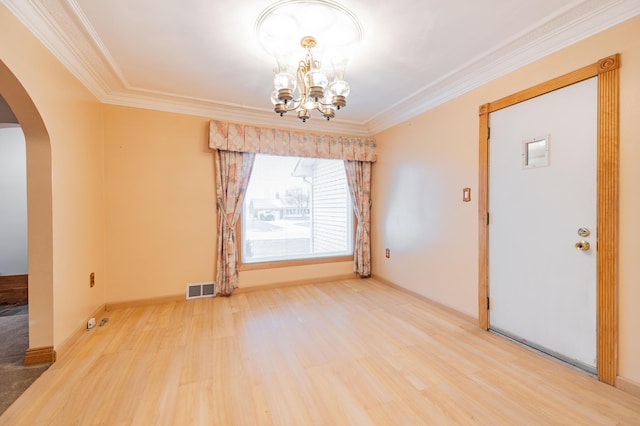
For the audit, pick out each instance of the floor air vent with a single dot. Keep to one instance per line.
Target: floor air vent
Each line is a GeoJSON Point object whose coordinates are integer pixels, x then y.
{"type": "Point", "coordinates": [198, 290]}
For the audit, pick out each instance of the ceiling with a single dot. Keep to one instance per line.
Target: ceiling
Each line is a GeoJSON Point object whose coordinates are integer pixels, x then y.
{"type": "Point", "coordinates": [201, 56]}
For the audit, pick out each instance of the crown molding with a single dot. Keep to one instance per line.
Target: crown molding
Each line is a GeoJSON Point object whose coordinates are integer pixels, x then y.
{"type": "Point", "coordinates": [571, 26]}
{"type": "Point", "coordinates": [58, 28]}
{"type": "Point", "coordinates": [235, 113]}
{"type": "Point", "coordinates": [63, 29]}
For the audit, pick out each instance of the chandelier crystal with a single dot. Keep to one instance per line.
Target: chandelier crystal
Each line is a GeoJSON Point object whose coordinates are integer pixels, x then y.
{"type": "Point", "coordinates": [314, 92]}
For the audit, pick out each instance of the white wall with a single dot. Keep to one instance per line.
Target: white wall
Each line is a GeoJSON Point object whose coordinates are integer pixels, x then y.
{"type": "Point", "coordinates": [13, 201]}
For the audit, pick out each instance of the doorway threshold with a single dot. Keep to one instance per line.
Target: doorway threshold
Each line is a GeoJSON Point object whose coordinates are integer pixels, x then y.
{"type": "Point", "coordinates": [538, 348]}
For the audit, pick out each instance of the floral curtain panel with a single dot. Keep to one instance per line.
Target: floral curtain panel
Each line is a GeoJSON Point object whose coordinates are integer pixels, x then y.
{"type": "Point", "coordinates": [232, 178]}
{"type": "Point", "coordinates": [359, 179]}
{"type": "Point", "coordinates": [244, 138]}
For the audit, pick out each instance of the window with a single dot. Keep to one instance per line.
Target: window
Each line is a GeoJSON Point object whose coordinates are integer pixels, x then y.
{"type": "Point", "coordinates": [296, 208]}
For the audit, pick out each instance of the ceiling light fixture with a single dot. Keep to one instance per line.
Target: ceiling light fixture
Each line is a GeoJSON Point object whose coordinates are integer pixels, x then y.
{"type": "Point", "coordinates": [314, 90]}
{"type": "Point", "coordinates": [307, 86]}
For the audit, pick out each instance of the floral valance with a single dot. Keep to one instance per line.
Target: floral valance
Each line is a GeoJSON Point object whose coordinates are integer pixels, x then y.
{"type": "Point", "coordinates": [245, 138]}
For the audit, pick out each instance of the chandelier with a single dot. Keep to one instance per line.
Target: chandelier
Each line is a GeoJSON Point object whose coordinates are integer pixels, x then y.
{"type": "Point", "coordinates": [308, 86]}
{"type": "Point", "coordinates": [309, 89]}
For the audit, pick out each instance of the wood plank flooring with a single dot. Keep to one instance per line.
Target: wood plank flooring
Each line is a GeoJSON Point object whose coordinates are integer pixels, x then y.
{"type": "Point", "coordinates": [353, 352]}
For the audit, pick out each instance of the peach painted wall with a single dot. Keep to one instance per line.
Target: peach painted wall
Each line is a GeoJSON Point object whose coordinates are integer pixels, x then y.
{"type": "Point", "coordinates": [425, 162]}
{"type": "Point", "coordinates": [160, 203]}
{"type": "Point", "coordinates": [72, 119]}
{"type": "Point", "coordinates": [161, 212]}
{"type": "Point", "coordinates": [295, 273]}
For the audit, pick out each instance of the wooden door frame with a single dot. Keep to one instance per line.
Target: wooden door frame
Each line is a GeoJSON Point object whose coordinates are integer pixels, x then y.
{"type": "Point", "coordinates": [607, 72]}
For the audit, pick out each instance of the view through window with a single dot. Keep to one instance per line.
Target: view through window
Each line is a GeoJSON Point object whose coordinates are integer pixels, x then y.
{"type": "Point", "coordinates": [296, 208]}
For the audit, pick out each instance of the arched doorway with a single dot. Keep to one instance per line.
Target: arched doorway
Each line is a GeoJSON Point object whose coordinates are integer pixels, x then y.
{"type": "Point", "coordinates": [39, 217]}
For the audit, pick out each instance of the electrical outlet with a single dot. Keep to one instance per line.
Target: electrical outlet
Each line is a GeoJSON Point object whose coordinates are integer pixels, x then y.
{"type": "Point", "coordinates": [387, 253]}
{"type": "Point", "coordinates": [91, 323]}
{"type": "Point", "coordinates": [92, 279]}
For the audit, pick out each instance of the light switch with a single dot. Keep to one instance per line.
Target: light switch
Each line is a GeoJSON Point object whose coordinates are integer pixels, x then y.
{"type": "Point", "coordinates": [466, 194]}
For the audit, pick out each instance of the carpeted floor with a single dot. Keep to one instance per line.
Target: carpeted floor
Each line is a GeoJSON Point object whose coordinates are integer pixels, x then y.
{"type": "Point", "coordinates": [14, 341]}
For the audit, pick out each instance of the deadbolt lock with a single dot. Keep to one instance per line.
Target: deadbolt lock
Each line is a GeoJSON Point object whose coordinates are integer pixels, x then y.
{"type": "Point", "coordinates": [583, 245]}
{"type": "Point", "coordinates": [584, 232]}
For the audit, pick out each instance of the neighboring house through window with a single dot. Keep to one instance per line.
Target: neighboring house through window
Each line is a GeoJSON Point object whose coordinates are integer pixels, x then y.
{"type": "Point", "coordinates": [296, 208]}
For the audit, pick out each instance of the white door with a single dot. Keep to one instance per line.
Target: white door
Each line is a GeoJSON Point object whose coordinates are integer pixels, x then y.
{"type": "Point", "coordinates": [542, 288]}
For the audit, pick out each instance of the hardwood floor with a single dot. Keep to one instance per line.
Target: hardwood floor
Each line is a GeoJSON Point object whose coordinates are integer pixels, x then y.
{"type": "Point", "coordinates": [349, 352]}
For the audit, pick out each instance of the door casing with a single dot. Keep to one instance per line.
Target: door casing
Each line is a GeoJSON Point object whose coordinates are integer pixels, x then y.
{"type": "Point", "coordinates": [607, 71]}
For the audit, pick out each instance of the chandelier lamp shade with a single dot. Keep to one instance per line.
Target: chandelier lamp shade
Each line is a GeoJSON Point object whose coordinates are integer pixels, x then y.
{"type": "Point", "coordinates": [309, 89]}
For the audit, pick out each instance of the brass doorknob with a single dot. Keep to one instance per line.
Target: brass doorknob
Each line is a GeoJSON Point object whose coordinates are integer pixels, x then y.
{"type": "Point", "coordinates": [583, 245]}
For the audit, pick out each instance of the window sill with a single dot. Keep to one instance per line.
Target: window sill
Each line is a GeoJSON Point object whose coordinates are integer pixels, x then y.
{"type": "Point", "coordinates": [289, 263]}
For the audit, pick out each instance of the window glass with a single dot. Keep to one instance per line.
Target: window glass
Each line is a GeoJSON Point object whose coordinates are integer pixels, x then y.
{"type": "Point", "coordinates": [296, 208]}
